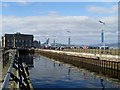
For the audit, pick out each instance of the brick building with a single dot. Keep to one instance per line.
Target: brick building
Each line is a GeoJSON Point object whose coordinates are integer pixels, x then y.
{"type": "Point", "coordinates": [17, 40]}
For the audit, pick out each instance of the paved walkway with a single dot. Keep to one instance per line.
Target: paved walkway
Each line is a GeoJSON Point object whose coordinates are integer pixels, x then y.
{"type": "Point", "coordinates": [0, 67]}
{"type": "Point", "coordinates": [89, 55]}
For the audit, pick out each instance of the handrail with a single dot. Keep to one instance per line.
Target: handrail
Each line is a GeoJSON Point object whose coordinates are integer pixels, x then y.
{"type": "Point", "coordinates": [7, 77]}
{"type": "Point", "coordinates": [20, 79]}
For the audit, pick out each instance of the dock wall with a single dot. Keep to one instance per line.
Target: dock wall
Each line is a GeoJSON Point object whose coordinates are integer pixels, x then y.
{"type": "Point", "coordinates": [109, 68]}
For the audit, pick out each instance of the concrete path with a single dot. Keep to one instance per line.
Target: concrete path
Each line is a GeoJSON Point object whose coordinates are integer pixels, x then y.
{"type": "Point", "coordinates": [89, 55]}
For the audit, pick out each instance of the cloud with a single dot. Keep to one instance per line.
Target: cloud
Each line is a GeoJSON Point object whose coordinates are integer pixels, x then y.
{"type": "Point", "coordinates": [62, 0]}
{"type": "Point", "coordinates": [24, 2]}
{"type": "Point", "coordinates": [83, 28]}
{"type": "Point", "coordinates": [53, 13]}
{"type": "Point", "coordinates": [103, 10]}
{"type": "Point", "coordinates": [17, 1]}
{"type": "Point", "coordinates": [4, 5]}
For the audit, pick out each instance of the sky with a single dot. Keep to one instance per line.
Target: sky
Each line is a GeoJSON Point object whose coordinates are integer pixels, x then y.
{"type": "Point", "coordinates": [53, 20]}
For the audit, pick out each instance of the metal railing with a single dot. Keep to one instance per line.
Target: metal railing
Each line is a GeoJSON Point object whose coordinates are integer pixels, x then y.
{"type": "Point", "coordinates": [7, 77]}
{"type": "Point", "coordinates": [96, 51]}
{"type": "Point", "coordinates": [21, 77]}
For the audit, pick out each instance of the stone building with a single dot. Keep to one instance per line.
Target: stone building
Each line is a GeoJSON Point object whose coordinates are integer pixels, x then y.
{"type": "Point", "coordinates": [17, 40]}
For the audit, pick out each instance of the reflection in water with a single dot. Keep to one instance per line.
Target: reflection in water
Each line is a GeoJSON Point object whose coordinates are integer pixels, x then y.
{"type": "Point", "coordinates": [59, 64]}
{"type": "Point", "coordinates": [69, 71]}
{"type": "Point", "coordinates": [85, 76]}
{"type": "Point", "coordinates": [54, 64]}
{"type": "Point", "coordinates": [48, 73]}
{"type": "Point", "coordinates": [28, 59]}
{"type": "Point", "coordinates": [39, 57]}
{"type": "Point", "coordinates": [102, 81]}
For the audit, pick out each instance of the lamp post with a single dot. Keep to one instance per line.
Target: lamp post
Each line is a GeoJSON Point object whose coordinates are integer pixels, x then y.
{"type": "Point", "coordinates": [54, 42]}
{"type": "Point", "coordinates": [69, 39]}
{"type": "Point", "coordinates": [102, 34]}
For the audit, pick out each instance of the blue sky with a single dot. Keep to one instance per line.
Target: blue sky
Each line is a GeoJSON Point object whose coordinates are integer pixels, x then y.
{"type": "Point", "coordinates": [63, 8]}
{"type": "Point", "coordinates": [53, 19]}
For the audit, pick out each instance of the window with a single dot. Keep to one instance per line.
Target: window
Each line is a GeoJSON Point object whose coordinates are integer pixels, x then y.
{"type": "Point", "coordinates": [19, 40]}
{"type": "Point", "coordinates": [8, 40]}
{"type": "Point", "coordinates": [30, 41]}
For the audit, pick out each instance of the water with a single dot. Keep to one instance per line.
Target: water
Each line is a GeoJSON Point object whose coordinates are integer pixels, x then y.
{"type": "Point", "coordinates": [48, 73]}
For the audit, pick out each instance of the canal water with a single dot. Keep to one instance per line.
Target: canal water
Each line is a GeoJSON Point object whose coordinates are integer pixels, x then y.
{"type": "Point", "coordinates": [48, 73]}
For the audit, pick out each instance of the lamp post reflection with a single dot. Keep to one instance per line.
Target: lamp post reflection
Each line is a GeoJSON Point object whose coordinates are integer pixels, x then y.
{"type": "Point", "coordinates": [69, 70]}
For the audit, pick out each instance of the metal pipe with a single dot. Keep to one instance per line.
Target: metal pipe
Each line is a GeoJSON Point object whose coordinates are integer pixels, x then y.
{"type": "Point", "coordinates": [7, 77]}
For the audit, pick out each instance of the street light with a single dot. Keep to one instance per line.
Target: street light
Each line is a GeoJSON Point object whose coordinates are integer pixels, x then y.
{"type": "Point", "coordinates": [69, 41]}
{"type": "Point", "coordinates": [54, 43]}
{"type": "Point", "coordinates": [102, 34]}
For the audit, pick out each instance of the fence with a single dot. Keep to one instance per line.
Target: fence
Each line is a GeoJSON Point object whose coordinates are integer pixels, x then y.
{"type": "Point", "coordinates": [21, 79]}
{"type": "Point", "coordinates": [96, 51]}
